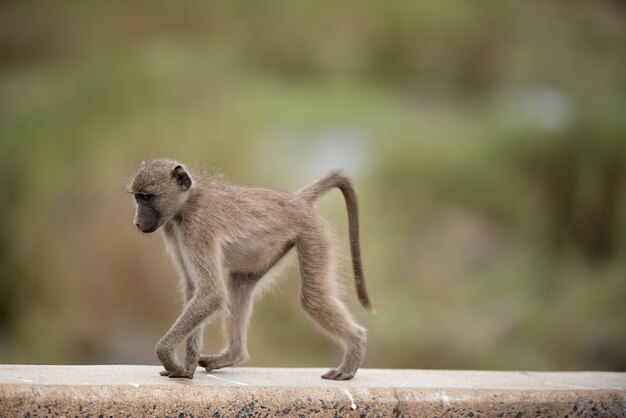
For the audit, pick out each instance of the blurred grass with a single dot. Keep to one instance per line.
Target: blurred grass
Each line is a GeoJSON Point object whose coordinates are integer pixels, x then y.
{"type": "Point", "coordinates": [487, 145]}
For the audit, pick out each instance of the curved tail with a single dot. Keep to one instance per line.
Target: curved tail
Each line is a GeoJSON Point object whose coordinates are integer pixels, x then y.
{"type": "Point", "coordinates": [320, 187]}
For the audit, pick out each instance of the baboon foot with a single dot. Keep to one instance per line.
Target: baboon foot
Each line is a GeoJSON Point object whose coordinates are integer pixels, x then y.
{"type": "Point", "coordinates": [164, 373]}
{"type": "Point", "coordinates": [219, 361]}
{"type": "Point", "coordinates": [338, 374]}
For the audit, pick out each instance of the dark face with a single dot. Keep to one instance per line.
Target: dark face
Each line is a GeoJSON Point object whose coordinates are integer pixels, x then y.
{"type": "Point", "coordinates": [160, 188]}
{"type": "Point", "coordinates": [147, 217]}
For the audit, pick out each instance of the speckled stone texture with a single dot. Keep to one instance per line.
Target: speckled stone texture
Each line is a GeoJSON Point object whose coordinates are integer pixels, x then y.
{"type": "Point", "coordinates": [94, 391]}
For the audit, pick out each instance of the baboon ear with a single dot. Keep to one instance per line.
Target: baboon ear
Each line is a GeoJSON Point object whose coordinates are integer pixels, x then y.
{"type": "Point", "coordinates": [182, 178]}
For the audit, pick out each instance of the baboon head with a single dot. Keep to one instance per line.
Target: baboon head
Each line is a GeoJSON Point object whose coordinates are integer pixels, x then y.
{"type": "Point", "coordinates": [160, 188]}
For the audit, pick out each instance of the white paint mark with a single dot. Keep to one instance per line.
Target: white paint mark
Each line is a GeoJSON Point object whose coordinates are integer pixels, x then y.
{"type": "Point", "coordinates": [26, 380]}
{"type": "Point", "coordinates": [445, 399]}
{"type": "Point", "coordinates": [352, 404]}
{"type": "Point", "coordinates": [226, 380]}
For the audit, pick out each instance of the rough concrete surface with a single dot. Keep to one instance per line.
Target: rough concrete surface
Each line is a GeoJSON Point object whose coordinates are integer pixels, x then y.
{"type": "Point", "coordinates": [31, 390]}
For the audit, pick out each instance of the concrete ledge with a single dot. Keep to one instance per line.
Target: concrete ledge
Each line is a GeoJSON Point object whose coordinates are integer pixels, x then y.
{"type": "Point", "coordinates": [252, 392]}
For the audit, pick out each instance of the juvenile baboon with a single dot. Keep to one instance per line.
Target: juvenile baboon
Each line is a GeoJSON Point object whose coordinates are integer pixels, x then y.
{"type": "Point", "coordinates": [210, 224]}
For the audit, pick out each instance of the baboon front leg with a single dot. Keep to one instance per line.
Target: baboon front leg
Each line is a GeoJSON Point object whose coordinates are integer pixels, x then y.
{"type": "Point", "coordinates": [194, 340]}
{"type": "Point", "coordinates": [207, 298]}
{"type": "Point", "coordinates": [319, 300]}
{"type": "Point", "coordinates": [240, 296]}
{"type": "Point", "coordinates": [193, 348]}
{"type": "Point", "coordinates": [240, 290]}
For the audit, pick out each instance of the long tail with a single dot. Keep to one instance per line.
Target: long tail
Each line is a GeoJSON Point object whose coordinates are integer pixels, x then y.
{"type": "Point", "coordinates": [320, 187]}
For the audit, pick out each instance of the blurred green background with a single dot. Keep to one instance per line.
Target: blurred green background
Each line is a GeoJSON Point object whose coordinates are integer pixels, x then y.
{"type": "Point", "coordinates": [487, 142]}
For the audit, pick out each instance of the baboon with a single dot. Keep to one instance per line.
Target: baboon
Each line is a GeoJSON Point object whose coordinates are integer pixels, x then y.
{"type": "Point", "coordinates": [210, 225]}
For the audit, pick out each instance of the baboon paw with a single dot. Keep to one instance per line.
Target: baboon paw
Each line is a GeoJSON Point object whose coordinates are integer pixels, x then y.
{"type": "Point", "coordinates": [180, 374]}
{"type": "Point", "coordinates": [164, 373]}
{"type": "Point", "coordinates": [338, 374]}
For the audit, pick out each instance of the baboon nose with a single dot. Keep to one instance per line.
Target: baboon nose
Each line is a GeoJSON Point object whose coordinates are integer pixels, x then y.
{"type": "Point", "coordinates": [137, 225]}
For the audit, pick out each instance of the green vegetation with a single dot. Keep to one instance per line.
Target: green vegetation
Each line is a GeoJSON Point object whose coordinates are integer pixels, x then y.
{"type": "Point", "coordinates": [487, 143]}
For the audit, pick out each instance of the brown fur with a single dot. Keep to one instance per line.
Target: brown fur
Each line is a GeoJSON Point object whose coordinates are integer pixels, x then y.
{"type": "Point", "coordinates": [213, 225]}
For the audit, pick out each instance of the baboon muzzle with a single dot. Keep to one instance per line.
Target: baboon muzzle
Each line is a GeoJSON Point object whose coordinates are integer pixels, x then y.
{"type": "Point", "coordinates": [146, 220]}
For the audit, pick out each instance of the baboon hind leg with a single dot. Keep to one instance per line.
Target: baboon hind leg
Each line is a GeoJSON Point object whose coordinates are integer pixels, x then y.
{"type": "Point", "coordinates": [319, 299]}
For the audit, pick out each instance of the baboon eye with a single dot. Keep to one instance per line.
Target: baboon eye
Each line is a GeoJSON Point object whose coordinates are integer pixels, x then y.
{"type": "Point", "coordinates": [145, 197]}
